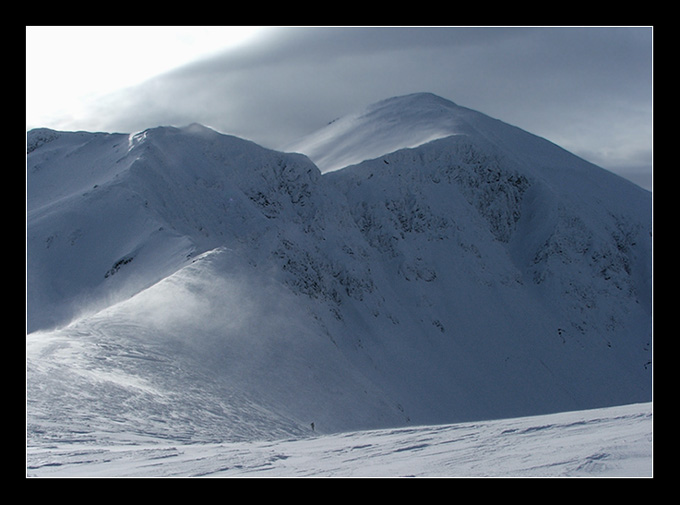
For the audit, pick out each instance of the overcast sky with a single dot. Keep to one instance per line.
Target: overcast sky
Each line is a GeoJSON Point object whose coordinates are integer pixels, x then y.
{"type": "Point", "coordinates": [588, 89]}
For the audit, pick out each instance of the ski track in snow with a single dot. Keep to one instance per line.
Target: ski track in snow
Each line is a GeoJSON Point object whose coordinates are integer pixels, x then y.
{"type": "Point", "coordinates": [610, 442]}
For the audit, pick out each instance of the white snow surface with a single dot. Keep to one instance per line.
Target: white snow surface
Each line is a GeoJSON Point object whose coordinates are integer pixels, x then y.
{"type": "Point", "coordinates": [380, 129]}
{"type": "Point", "coordinates": [193, 294]}
{"type": "Point", "coordinates": [604, 443]}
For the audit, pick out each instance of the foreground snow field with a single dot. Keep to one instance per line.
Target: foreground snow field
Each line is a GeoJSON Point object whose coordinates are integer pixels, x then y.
{"type": "Point", "coordinates": [610, 442]}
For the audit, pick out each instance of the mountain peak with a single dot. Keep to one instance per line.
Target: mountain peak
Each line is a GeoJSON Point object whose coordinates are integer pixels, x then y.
{"type": "Point", "coordinates": [419, 111]}
{"type": "Point", "coordinates": [421, 99]}
{"type": "Point", "coordinates": [380, 128]}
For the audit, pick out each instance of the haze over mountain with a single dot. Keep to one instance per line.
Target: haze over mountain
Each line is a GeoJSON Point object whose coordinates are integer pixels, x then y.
{"type": "Point", "coordinates": [418, 262]}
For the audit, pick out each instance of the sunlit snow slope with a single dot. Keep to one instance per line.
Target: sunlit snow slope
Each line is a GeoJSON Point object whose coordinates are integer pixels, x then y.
{"type": "Point", "coordinates": [191, 286]}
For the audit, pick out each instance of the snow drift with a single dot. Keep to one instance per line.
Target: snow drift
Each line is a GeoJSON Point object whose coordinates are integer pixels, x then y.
{"type": "Point", "coordinates": [188, 285]}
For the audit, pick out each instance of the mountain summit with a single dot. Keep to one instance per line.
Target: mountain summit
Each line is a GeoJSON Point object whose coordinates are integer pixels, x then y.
{"type": "Point", "coordinates": [441, 266]}
{"type": "Point", "coordinates": [383, 127]}
{"type": "Point", "coordinates": [405, 122]}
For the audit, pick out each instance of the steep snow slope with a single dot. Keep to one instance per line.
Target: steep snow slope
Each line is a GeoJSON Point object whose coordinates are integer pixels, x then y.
{"type": "Point", "coordinates": [218, 351]}
{"type": "Point", "coordinates": [109, 215]}
{"type": "Point", "coordinates": [218, 290]}
{"type": "Point", "coordinates": [514, 282]}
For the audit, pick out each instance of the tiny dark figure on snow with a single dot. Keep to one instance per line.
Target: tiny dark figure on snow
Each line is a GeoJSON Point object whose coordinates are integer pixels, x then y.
{"type": "Point", "coordinates": [312, 426]}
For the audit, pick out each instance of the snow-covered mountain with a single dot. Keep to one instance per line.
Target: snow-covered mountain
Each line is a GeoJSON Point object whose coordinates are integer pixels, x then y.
{"type": "Point", "coordinates": [383, 127]}
{"type": "Point", "coordinates": [188, 285]}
